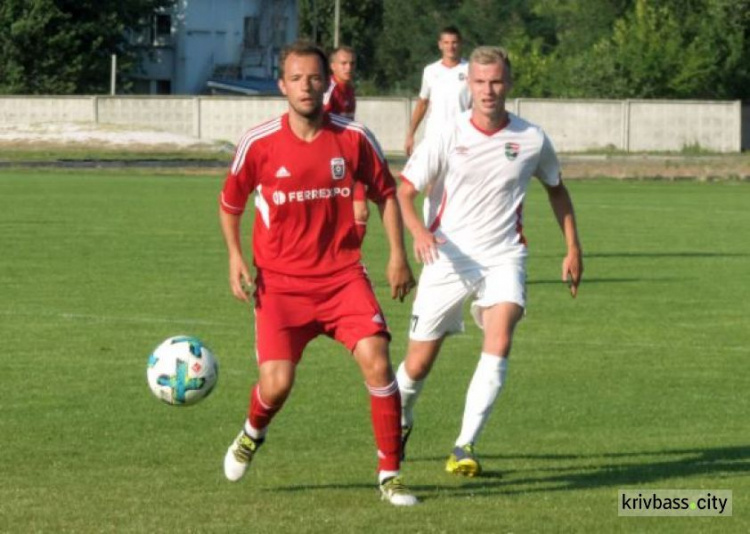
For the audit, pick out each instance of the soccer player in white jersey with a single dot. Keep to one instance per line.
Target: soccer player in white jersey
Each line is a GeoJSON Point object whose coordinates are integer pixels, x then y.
{"type": "Point", "coordinates": [471, 241]}
{"type": "Point", "coordinates": [444, 91]}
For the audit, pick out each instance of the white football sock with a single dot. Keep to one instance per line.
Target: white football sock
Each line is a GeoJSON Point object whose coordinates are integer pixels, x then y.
{"type": "Point", "coordinates": [485, 386]}
{"type": "Point", "coordinates": [410, 390]}
{"type": "Point", "coordinates": [253, 432]}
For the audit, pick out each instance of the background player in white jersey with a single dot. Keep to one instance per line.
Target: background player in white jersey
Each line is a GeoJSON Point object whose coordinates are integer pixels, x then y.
{"type": "Point", "coordinates": [444, 92]}
{"type": "Point", "coordinates": [472, 241]}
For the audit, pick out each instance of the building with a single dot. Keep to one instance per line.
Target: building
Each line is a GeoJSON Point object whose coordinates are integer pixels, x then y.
{"type": "Point", "coordinates": [216, 46]}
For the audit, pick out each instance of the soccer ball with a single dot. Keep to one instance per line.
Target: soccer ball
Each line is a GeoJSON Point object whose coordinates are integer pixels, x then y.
{"type": "Point", "coordinates": [182, 371]}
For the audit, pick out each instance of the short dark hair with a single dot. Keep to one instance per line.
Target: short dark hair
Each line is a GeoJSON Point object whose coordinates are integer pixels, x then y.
{"type": "Point", "coordinates": [303, 48]}
{"type": "Point", "coordinates": [342, 48]}
{"type": "Point", "coordinates": [452, 30]}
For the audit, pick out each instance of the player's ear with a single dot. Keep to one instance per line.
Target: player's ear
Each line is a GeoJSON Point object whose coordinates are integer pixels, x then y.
{"type": "Point", "coordinates": [282, 87]}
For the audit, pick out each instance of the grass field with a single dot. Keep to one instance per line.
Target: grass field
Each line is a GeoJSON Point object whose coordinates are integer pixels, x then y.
{"type": "Point", "coordinates": [639, 383]}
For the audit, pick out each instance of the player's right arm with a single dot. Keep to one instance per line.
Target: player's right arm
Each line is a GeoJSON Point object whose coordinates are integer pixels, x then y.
{"type": "Point", "coordinates": [232, 201]}
{"type": "Point", "coordinates": [419, 110]}
{"type": "Point", "coordinates": [416, 118]}
{"type": "Point", "coordinates": [425, 242]}
{"type": "Point", "coordinates": [239, 273]}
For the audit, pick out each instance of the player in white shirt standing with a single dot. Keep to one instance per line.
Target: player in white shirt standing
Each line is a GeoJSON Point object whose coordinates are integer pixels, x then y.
{"type": "Point", "coordinates": [471, 241]}
{"type": "Point", "coordinates": [444, 91]}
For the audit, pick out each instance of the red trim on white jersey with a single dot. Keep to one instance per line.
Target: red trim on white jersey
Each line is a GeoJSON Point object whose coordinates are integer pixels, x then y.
{"type": "Point", "coordinates": [436, 223]}
{"type": "Point", "coordinates": [490, 133]}
{"type": "Point", "coordinates": [519, 224]}
{"type": "Point", "coordinates": [250, 137]}
{"type": "Point", "coordinates": [405, 179]}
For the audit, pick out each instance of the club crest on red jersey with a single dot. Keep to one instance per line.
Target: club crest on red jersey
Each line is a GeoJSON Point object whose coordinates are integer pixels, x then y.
{"type": "Point", "coordinates": [338, 168]}
{"type": "Point", "coordinates": [511, 150]}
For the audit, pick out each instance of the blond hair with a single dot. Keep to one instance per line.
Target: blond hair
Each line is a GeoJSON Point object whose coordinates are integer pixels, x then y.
{"type": "Point", "coordinates": [486, 55]}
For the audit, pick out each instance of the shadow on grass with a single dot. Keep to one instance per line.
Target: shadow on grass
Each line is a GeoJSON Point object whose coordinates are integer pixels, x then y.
{"type": "Point", "coordinates": [587, 281]}
{"type": "Point", "coordinates": [614, 474]}
{"type": "Point", "coordinates": [597, 471]}
{"type": "Point", "coordinates": [683, 254]}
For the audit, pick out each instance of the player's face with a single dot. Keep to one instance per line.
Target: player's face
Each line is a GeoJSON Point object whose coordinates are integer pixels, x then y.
{"type": "Point", "coordinates": [304, 84]}
{"type": "Point", "coordinates": [450, 46]}
{"type": "Point", "coordinates": [343, 66]}
{"type": "Point", "coordinates": [489, 84]}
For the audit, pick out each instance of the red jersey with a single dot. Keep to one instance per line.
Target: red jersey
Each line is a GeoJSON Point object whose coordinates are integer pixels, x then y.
{"type": "Point", "coordinates": [304, 222]}
{"type": "Point", "coordinates": [340, 99]}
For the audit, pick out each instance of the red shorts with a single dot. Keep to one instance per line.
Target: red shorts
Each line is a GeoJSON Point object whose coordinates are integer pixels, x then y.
{"type": "Point", "coordinates": [290, 311]}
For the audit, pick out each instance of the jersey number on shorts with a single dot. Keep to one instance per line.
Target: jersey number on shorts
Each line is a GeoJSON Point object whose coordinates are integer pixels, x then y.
{"type": "Point", "coordinates": [414, 321]}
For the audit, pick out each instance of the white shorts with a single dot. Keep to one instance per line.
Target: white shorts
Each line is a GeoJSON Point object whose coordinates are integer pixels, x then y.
{"type": "Point", "coordinates": [438, 307]}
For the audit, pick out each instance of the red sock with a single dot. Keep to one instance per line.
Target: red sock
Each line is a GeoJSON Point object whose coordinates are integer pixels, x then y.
{"type": "Point", "coordinates": [260, 413]}
{"type": "Point", "coordinates": [385, 405]}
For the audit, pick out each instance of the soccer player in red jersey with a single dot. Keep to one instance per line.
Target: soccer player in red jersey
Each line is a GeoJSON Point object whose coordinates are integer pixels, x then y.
{"type": "Point", "coordinates": [341, 100]}
{"type": "Point", "coordinates": [301, 168]}
{"type": "Point", "coordinates": [340, 97]}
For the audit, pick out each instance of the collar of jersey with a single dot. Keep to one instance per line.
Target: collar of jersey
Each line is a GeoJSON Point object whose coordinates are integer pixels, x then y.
{"type": "Point", "coordinates": [490, 133]}
{"type": "Point", "coordinates": [285, 125]}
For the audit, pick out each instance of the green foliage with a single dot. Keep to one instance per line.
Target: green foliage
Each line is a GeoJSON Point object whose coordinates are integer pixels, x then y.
{"type": "Point", "coordinates": [361, 22]}
{"type": "Point", "coordinates": [560, 48]}
{"type": "Point", "coordinates": [565, 48]}
{"type": "Point", "coordinates": [64, 46]}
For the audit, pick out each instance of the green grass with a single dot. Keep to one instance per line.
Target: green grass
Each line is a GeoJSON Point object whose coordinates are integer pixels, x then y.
{"type": "Point", "coordinates": [639, 383]}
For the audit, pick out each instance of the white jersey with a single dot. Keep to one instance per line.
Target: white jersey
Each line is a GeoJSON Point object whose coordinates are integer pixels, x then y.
{"type": "Point", "coordinates": [477, 183]}
{"type": "Point", "coordinates": [448, 92]}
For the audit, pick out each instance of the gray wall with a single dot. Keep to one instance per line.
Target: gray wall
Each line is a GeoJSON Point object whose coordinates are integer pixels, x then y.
{"type": "Point", "coordinates": [573, 125]}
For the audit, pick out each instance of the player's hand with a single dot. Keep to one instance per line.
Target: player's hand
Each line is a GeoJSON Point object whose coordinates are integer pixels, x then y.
{"type": "Point", "coordinates": [400, 278]}
{"type": "Point", "coordinates": [240, 281]}
{"type": "Point", "coordinates": [426, 247]}
{"type": "Point", "coordinates": [572, 270]}
{"type": "Point", "coordinates": [409, 145]}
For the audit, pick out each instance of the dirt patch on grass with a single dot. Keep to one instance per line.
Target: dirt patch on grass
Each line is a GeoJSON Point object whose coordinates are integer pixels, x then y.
{"type": "Point", "coordinates": [715, 167]}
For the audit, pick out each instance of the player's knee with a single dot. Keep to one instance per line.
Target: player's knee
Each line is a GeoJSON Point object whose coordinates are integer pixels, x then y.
{"type": "Point", "coordinates": [378, 371]}
{"type": "Point", "coordinates": [418, 369]}
{"type": "Point", "coordinates": [275, 387]}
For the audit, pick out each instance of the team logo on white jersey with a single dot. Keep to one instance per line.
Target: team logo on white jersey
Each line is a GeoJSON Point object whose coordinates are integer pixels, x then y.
{"type": "Point", "coordinates": [461, 76]}
{"type": "Point", "coordinates": [511, 150]}
{"type": "Point", "coordinates": [338, 168]}
{"type": "Point", "coordinates": [283, 173]}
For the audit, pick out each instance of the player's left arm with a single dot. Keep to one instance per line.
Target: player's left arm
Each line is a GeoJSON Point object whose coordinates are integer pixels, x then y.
{"type": "Point", "coordinates": [398, 271]}
{"type": "Point", "coordinates": [562, 206]}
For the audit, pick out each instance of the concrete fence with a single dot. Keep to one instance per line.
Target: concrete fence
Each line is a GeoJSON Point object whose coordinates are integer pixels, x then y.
{"type": "Point", "coordinates": [573, 125]}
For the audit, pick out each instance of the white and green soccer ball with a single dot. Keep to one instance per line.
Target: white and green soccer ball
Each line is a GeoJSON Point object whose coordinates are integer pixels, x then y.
{"type": "Point", "coordinates": [182, 371]}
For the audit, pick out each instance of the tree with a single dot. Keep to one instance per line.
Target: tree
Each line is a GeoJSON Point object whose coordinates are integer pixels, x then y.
{"type": "Point", "coordinates": [361, 22]}
{"type": "Point", "coordinates": [64, 46]}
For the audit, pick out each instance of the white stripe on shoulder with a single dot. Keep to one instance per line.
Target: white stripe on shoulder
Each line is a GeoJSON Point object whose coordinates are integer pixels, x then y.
{"type": "Point", "coordinates": [350, 124]}
{"type": "Point", "coordinates": [329, 93]}
{"type": "Point", "coordinates": [250, 137]}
